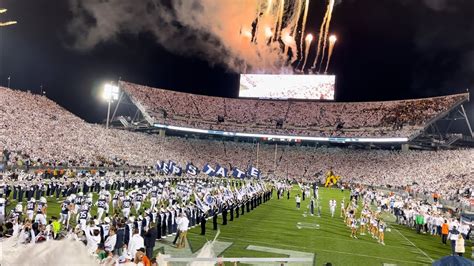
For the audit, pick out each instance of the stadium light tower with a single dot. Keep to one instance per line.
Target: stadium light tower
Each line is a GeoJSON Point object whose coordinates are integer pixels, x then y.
{"type": "Point", "coordinates": [110, 94]}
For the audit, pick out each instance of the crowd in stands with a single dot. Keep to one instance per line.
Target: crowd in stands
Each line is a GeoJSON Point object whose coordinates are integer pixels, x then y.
{"type": "Point", "coordinates": [304, 118]}
{"type": "Point", "coordinates": [35, 131]}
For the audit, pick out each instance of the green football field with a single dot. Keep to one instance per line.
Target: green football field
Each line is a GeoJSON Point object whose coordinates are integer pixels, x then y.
{"type": "Point", "coordinates": [277, 229]}
{"type": "Point", "coordinates": [274, 225]}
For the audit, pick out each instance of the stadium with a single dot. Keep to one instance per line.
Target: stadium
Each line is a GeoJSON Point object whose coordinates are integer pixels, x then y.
{"type": "Point", "coordinates": [283, 174]}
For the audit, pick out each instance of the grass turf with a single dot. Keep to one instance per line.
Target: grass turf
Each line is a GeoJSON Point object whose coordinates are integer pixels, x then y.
{"type": "Point", "coordinates": [273, 224]}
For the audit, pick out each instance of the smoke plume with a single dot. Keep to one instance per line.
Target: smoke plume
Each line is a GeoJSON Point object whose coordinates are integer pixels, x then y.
{"type": "Point", "coordinates": [207, 28]}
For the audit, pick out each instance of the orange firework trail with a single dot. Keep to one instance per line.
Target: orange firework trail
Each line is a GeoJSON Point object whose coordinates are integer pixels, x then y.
{"type": "Point", "coordinates": [269, 7]}
{"type": "Point", "coordinates": [322, 34]}
{"type": "Point", "coordinates": [326, 31]}
{"type": "Point", "coordinates": [299, 5]}
{"type": "Point", "coordinates": [280, 18]}
{"type": "Point", "coordinates": [332, 42]}
{"type": "Point", "coordinates": [308, 40]}
{"type": "Point", "coordinates": [305, 17]}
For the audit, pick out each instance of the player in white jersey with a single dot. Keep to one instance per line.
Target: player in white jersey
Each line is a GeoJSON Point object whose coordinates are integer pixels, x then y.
{"type": "Point", "coordinates": [102, 207]}
{"type": "Point", "coordinates": [41, 211]}
{"type": "Point", "coordinates": [17, 212]}
{"type": "Point", "coordinates": [83, 216]}
{"type": "Point", "coordinates": [78, 202]}
{"type": "Point", "coordinates": [126, 204]}
{"type": "Point", "coordinates": [137, 201]}
{"type": "Point", "coordinates": [64, 215]}
{"type": "Point", "coordinates": [30, 208]}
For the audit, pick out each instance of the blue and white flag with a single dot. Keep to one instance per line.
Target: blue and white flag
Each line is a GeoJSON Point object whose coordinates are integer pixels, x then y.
{"type": "Point", "coordinates": [204, 208]}
{"type": "Point", "coordinates": [237, 193]}
{"type": "Point", "coordinates": [208, 170]}
{"type": "Point", "coordinates": [221, 171]}
{"type": "Point", "coordinates": [209, 200]}
{"type": "Point", "coordinates": [254, 172]}
{"type": "Point", "coordinates": [159, 166]}
{"type": "Point", "coordinates": [191, 169]}
{"type": "Point", "coordinates": [176, 170]}
{"type": "Point", "coordinates": [165, 168]}
{"type": "Point", "coordinates": [237, 173]}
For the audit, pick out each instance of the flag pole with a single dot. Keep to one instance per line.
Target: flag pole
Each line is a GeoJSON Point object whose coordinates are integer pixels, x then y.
{"type": "Point", "coordinates": [258, 148]}
{"type": "Point", "coordinates": [275, 159]}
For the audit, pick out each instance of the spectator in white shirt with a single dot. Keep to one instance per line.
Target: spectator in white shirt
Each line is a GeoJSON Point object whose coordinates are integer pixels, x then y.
{"type": "Point", "coordinates": [110, 241]}
{"type": "Point", "coordinates": [183, 224]}
{"type": "Point", "coordinates": [135, 243]}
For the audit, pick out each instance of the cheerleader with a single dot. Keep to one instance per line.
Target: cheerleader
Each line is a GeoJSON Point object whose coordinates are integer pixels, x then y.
{"type": "Point", "coordinates": [373, 224]}
{"type": "Point", "coordinates": [381, 228]}
{"type": "Point", "coordinates": [363, 222]}
{"type": "Point", "coordinates": [343, 210]}
{"type": "Point", "coordinates": [350, 216]}
{"type": "Point", "coordinates": [354, 228]}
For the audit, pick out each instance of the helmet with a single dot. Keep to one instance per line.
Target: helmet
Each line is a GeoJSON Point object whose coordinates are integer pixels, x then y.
{"type": "Point", "coordinates": [101, 197]}
{"type": "Point", "coordinates": [122, 188]}
{"type": "Point", "coordinates": [80, 194]}
{"type": "Point", "coordinates": [33, 200]}
{"type": "Point", "coordinates": [43, 200]}
{"type": "Point", "coordinates": [90, 195]}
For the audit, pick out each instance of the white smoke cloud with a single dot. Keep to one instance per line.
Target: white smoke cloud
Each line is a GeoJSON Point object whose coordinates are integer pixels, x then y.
{"type": "Point", "coordinates": [206, 28]}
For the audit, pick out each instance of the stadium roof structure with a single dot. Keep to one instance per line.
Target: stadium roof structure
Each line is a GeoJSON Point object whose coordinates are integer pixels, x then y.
{"type": "Point", "coordinates": [449, 129]}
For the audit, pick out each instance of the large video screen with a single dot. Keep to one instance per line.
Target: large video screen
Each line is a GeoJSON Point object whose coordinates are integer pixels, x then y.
{"type": "Point", "coordinates": [317, 87]}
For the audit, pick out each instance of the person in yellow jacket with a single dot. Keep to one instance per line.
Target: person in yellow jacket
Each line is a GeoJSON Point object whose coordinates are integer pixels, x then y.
{"type": "Point", "coordinates": [459, 248]}
{"type": "Point", "coordinates": [56, 227]}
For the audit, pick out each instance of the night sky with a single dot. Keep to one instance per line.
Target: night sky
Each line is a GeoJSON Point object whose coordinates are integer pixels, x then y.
{"type": "Point", "coordinates": [387, 49]}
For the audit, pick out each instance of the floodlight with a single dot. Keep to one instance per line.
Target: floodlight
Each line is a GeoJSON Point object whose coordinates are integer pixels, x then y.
{"type": "Point", "coordinates": [111, 92]}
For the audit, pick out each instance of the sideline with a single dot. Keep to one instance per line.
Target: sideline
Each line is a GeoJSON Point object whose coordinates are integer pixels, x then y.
{"type": "Point", "coordinates": [421, 251]}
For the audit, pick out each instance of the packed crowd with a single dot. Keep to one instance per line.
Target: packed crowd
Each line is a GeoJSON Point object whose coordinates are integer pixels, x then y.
{"type": "Point", "coordinates": [36, 132]}
{"type": "Point", "coordinates": [304, 118]}
{"type": "Point", "coordinates": [131, 212]}
{"type": "Point", "coordinates": [423, 216]}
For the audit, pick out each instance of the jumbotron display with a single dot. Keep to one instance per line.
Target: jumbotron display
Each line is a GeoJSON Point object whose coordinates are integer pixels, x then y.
{"type": "Point", "coordinates": [316, 87]}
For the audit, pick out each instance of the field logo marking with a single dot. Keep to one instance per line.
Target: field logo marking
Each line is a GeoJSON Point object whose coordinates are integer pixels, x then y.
{"type": "Point", "coordinates": [301, 225]}
{"type": "Point", "coordinates": [289, 253]}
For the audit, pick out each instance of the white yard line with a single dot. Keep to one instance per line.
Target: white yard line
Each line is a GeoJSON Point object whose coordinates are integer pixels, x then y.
{"type": "Point", "coordinates": [332, 238]}
{"type": "Point", "coordinates": [421, 251]}
{"type": "Point", "coordinates": [326, 250]}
